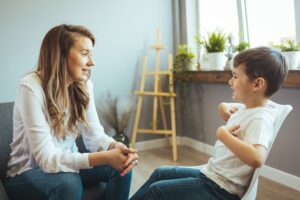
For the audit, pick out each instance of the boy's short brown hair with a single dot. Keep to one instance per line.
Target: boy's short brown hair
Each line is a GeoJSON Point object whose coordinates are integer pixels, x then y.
{"type": "Point", "coordinates": [264, 62]}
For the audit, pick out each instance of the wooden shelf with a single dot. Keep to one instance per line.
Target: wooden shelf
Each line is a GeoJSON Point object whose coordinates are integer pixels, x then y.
{"type": "Point", "coordinates": [292, 81]}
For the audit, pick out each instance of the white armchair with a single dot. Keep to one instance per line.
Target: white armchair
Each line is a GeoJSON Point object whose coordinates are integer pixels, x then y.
{"type": "Point", "coordinates": [281, 114]}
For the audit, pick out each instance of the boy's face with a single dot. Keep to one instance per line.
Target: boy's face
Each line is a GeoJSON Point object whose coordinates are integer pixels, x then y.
{"type": "Point", "coordinates": [241, 85]}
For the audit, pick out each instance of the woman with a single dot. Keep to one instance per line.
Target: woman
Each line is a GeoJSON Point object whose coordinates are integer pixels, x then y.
{"type": "Point", "coordinates": [52, 106]}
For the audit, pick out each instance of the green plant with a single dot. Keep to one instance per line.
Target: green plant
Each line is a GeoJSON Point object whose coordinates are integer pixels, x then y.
{"type": "Point", "coordinates": [199, 44]}
{"type": "Point", "coordinates": [215, 42]}
{"type": "Point", "coordinates": [242, 46]}
{"type": "Point", "coordinates": [290, 45]}
{"type": "Point", "coordinates": [198, 40]}
{"type": "Point", "coordinates": [183, 59]}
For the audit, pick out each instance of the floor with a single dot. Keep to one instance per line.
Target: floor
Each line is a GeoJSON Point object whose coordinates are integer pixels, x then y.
{"type": "Point", "coordinates": [150, 159]}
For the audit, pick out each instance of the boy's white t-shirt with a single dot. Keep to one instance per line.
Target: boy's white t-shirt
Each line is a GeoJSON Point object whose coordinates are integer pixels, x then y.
{"type": "Point", "coordinates": [224, 168]}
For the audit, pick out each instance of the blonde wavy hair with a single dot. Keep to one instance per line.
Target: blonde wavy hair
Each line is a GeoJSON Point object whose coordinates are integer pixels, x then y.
{"type": "Point", "coordinates": [53, 70]}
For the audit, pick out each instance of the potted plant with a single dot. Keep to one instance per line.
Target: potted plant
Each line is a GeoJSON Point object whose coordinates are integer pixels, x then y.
{"type": "Point", "coordinates": [199, 46]}
{"type": "Point", "coordinates": [241, 46]}
{"type": "Point", "coordinates": [233, 49]}
{"type": "Point", "coordinates": [116, 115]}
{"type": "Point", "coordinates": [291, 50]}
{"type": "Point", "coordinates": [215, 44]}
{"type": "Point", "coordinates": [184, 59]}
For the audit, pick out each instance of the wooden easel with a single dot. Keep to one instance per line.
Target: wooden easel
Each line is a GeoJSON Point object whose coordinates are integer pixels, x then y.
{"type": "Point", "coordinates": [158, 95]}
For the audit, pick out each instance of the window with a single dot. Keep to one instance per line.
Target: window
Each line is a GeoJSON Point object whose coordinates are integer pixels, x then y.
{"type": "Point", "coordinates": [270, 22]}
{"type": "Point", "coordinates": [218, 15]}
{"type": "Point", "coordinates": [263, 22]}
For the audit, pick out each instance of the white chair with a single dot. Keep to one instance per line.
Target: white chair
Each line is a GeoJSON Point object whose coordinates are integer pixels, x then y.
{"type": "Point", "coordinates": [282, 113]}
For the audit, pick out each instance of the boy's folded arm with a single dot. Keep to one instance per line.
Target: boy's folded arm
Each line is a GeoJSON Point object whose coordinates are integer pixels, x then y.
{"type": "Point", "coordinates": [252, 155]}
{"type": "Point", "coordinates": [226, 110]}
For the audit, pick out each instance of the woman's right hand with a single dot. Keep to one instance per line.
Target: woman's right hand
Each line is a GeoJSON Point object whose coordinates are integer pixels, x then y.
{"type": "Point", "coordinates": [131, 160]}
{"type": "Point", "coordinates": [119, 157]}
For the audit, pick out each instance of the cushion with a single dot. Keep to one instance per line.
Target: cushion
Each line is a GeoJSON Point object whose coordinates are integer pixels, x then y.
{"type": "Point", "coordinates": [6, 132]}
{"type": "Point", "coordinates": [80, 144]}
{"type": "Point", "coordinates": [3, 195]}
{"type": "Point", "coordinates": [94, 192]}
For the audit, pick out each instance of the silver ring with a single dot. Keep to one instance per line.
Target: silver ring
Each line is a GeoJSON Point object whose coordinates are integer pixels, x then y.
{"type": "Point", "coordinates": [134, 163]}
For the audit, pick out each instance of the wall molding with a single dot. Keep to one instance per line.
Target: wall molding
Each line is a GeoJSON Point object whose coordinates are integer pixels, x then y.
{"type": "Point", "coordinates": [271, 173]}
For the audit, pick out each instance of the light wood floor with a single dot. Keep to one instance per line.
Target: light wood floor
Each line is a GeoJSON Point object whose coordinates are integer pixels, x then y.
{"type": "Point", "coordinates": [151, 159]}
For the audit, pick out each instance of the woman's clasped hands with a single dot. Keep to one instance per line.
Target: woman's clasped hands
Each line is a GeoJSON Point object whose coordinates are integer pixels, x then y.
{"type": "Point", "coordinates": [122, 158]}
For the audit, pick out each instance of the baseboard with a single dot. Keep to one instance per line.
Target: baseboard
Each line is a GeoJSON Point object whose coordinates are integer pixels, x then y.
{"type": "Point", "coordinates": [271, 173]}
{"type": "Point", "coordinates": [282, 177]}
{"type": "Point", "coordinates": [151, 144]}
{"type": "Point", "coordinates": [195, 144]}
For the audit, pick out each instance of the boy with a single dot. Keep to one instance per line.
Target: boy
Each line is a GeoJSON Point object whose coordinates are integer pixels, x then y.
{"type": "Point", "coordinates": [242, 144]}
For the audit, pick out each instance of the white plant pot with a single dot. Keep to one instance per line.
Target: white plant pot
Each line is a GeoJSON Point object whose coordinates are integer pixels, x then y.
{"type": "Point", "coordinates": [216, 60]}
{"type": "Point", "coordinates": [293, 59]}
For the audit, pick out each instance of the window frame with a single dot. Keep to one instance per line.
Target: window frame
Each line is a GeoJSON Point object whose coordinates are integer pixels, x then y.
{"type": "Point", "coordinates": [190, 8]}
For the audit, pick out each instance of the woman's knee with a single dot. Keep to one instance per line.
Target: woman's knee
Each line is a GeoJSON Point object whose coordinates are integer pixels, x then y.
{"type": "Point", "coordinates": [128, 176]}
{"type": "Point", "coordinates": [115, 174]}
{"type": "Point", "coordinates": [69, 184]}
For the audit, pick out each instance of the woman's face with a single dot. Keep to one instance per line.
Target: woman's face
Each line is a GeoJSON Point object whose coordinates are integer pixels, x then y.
{"type": "Point", "coordinates": [80, 60]}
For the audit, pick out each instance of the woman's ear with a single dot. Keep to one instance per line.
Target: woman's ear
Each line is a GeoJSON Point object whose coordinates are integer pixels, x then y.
{"type": "Point", "coordinates": [259, 84]}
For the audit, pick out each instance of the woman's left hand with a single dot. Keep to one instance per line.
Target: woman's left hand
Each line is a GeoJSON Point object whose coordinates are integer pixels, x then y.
{"type": "Point", "coordinates": [130, 163]}
{"type": "Point", "coordinates": [132, 157]}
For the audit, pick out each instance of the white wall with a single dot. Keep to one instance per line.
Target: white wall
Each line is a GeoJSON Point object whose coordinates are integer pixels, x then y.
{"type": "Point", "coordinates": [123, 30]}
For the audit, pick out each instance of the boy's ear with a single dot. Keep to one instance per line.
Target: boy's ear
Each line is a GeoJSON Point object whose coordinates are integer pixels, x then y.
{"type": "Point", "coordinates": [259, 84]}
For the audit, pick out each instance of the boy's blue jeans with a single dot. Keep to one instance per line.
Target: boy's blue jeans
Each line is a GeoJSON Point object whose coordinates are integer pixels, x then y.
{"type": "Point", "coordinates": [180, 183]}
{"type": "Point", "coordinates": [34, 184]}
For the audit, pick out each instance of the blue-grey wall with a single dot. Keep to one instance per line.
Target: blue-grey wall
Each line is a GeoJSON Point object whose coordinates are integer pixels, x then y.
{"type": "Point", "coordinates": [124, 30]}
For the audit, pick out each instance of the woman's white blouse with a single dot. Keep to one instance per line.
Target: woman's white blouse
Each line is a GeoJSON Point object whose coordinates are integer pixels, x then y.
{"type": "Point", "coordinates": [34, 144]}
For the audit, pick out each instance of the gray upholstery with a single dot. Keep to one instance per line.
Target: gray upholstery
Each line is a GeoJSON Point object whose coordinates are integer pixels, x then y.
{"type": "Point", "coordinates": [5, 135]}
{"type": "Point", "coordinates": [5, 139]}
{"type": "Point", "coordinates": [3, 195]}
{"type": "Point", "coordinates": [6, 130]}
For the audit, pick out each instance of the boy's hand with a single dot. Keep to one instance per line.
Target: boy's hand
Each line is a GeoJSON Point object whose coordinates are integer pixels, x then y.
{"type": "Point", "coordinates": [223, 130]}
{"type": "Point", "coordinates": [234, 130]}
{"type": "Point", "coordinates": [226, 110]}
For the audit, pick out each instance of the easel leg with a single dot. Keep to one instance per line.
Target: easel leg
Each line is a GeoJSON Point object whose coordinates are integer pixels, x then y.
{"type": "Point", "coordinates": [136, 121]}
{"type": "Point", "coordinates": [173, 124]}
{"type": "Point", "coordinates": [162, 112]}
{"type": "Point", "coordinates": [174, 146]}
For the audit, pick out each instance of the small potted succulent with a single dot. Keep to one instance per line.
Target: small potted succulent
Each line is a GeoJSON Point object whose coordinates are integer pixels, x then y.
{"type": "Point", "coordinates": [241, 46]}
{"type": "Point", "coordinates": [291, 50]}
{"type": "Point", "coordinates": [233, 50]}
